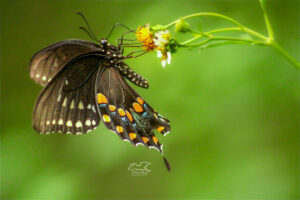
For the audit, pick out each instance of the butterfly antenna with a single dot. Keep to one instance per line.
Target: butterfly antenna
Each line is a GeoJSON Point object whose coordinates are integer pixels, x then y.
{"type": "Point", "coordinates": [91, 32]}
{"type": "Point", "coordinates": [92, 37]}
{"type": "Point", "coordinates": [115, 25]}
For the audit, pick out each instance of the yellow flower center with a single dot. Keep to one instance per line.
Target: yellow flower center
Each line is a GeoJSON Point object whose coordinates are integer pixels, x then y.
{"type": "Point", "coordinates": [166, 36]}
{"type": "Point", "coordinates": [144, 35]}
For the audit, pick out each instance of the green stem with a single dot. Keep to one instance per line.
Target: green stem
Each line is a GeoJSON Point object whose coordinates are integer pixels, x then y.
{"type": "Point", "coordinates": [266, 41]}
{"type": "Point", "coordinates": [208, 34]}
{"type": "Point", "coordinates": [220, 43]}
{"type": "Point", "coordinates": [248, 41]}
{"type": "Point", "coordinates": [239, 39]}
{"type": "Point", "coordinates": [267, 21]}
{"type": "Point", "coordinates": [285, 54]}
{"type": "Point", "coordinates": [254, 33]}
{"type": "Point", "coordinates": [240, 26]}
{"type": "Point", "coordinates": [224, 30]}
{"type": "Point", "coordinates": [206, 14]}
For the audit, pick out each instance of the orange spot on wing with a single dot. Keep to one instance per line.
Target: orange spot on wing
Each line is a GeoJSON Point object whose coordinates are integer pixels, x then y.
{"type": "Point", "coordinates": [121, 112]}
{"type": "Point", "coordinates": [137, 107]}
{"type": "Point", "coordinates": [112, 108]}
{"type": "Point", "coordinates": [132, 136]}
{"type": "Point", "coordinates": [101, 98]}
{"type": "Point", "coordinates": [140, 100]}
{"type": "Point", "coordinates": [129, 116]}
{"type": "Point", "coordinates": [160, 128]}
{"type": "Point", "coordinates": [145, 139]}
{"type": "Point", "coordinates": [155, 139]}
{"type": "Point", "coordinates": [119, 129]}
{"type": "Point", "coordinates": [106, 118]}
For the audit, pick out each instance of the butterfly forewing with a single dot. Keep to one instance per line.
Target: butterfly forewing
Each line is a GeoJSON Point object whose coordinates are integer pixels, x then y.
{"type": "Point", "coordinates": [123, 111]}
{"type": "Point", "coordinates": [67, 104]}
{"type": "Point", "coordinates": [48, 61]}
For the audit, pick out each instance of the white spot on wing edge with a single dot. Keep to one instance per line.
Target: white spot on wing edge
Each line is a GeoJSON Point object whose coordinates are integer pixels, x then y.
{"type": "Point", "coordinates": [78, 124]}
{"type": "Point", "coordinates": [88, 122]}
{"type": "Point", "coordinates": [166, 133]}
{"type": "Point", "coordinates": [69, 123]}
{"type": "Point", "coordinates": [126, 140]}
{"type": "Point", "coordinates": [139, 143]}
{"type": "Point", "coordinates": [60, 122]}
{"type": "Point", "coordinates": [153, 147]}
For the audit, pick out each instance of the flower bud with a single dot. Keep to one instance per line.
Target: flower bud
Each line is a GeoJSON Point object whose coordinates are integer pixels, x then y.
{"type": "Point", "coordinates": [182, 26]}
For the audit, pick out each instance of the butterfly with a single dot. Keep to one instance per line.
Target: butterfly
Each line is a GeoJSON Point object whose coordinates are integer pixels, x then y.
{"type": "Point", "coordinates": [84, 84]}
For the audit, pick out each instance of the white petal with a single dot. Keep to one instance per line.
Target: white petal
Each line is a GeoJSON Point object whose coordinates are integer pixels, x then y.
{"type": "Point", "coordinates": [169, 57]}
{"type": "Point", "coordinates": [164, 41]}
{"type": "Point", "coordinates": [158, 43]}
{"type": "Point", "coordinates": [164, 63]}
{"type": "Point", "coordinates": [159, 54]}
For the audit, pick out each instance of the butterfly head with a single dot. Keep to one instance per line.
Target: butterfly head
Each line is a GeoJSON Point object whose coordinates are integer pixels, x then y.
{"type": "Point", "coordinates": [104, 42]}
{"type": "Point", "coordinates": [111, 52]}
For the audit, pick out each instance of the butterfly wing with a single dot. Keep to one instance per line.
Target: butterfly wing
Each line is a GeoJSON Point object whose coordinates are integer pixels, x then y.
{"type": "Point", "coordinates": [47, 62]}
{"type": "Point", "coordinates": [67, 104]}
{"type": "Point", "coordinates": [123, 111]}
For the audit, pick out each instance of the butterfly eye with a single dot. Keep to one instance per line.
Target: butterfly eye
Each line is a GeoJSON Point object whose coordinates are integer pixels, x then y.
{"type": "Point", "coordinates": [103, 42]}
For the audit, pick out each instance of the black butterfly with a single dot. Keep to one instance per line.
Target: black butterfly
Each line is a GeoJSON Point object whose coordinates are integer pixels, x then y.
{"type": "Point", "coordinates": [84, 84]}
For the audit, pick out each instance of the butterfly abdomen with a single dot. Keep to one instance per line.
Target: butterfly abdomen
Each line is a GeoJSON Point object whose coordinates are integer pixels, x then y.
{"type": "Point", "coordinates": [132, 76]}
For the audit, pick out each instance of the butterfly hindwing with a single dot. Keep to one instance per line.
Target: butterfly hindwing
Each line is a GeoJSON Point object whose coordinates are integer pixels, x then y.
{"type": "Point", "coordinates": [68, 103]}
{"type": "Point", "coordinates": [48, 61]}
{"type": "Point", "coordinates": [123, 111]}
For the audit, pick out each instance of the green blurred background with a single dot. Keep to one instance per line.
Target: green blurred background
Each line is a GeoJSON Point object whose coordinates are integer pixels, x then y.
{"type": "Point", "coordinates": [234, 110]}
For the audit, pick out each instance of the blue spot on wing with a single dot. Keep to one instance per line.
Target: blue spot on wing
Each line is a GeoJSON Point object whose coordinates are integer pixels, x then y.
{"type": "Point", "coordinates": [102, 105]}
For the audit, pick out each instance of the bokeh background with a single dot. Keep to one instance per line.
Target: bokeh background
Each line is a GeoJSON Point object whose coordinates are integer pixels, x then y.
{"type": "Point", "coordinates": [234, 110]}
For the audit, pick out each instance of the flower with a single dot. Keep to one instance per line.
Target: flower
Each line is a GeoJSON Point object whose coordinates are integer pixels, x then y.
{"type": "Point", "coordinates": [155, 39]}
{"type": "Point", "coordinates": [161, 38]}
{"type": "Point", "coordinates": [161, 41]}
{"type": "Point", "coordinates": [144, 35]}
{"type": "Point", "coordinates": [165, 58]}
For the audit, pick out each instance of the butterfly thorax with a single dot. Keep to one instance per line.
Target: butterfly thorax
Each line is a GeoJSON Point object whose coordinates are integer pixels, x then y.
{"type": "Point", "coordinates": [111, 53]}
